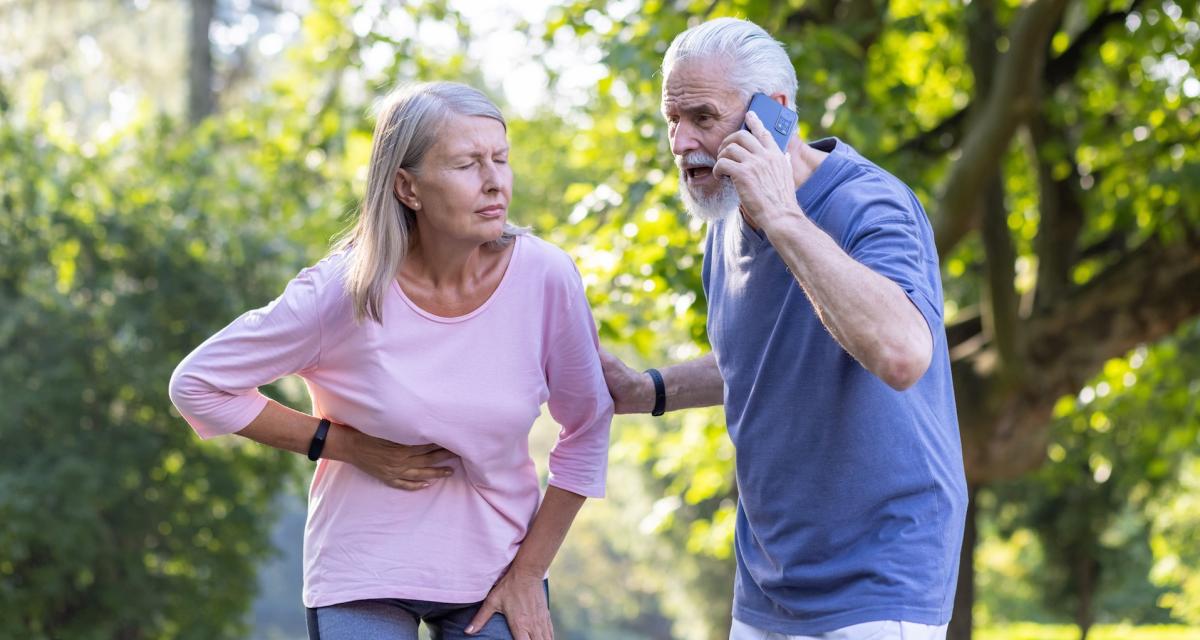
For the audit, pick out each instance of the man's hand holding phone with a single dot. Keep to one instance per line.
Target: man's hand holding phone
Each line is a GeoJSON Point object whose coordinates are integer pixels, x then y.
{"type": "Point", "coordinates": [760, 172]}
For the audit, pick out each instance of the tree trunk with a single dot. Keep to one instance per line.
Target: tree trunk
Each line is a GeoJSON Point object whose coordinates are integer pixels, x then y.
{"type": "Point", "coordinates": [201, 101]}
{"type": "Point", "coordinates": [964, 597]}
{"type": "Point", "coordinates": [1086, 580]}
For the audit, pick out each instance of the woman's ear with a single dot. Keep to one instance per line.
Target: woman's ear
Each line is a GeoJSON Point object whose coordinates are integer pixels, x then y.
{"type": "Point", "coordinates": [405, 188]}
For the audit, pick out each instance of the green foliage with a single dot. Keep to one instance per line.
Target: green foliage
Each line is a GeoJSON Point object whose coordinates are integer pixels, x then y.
{"type": "Point", "coordinates": [119, 252]}
{"type": "Point", "coordinates": [117, 261]}
{"type": "Point", "coordinates": [1175, 541]}
{"type": "Point", "coordinates": [1103, 632]}
{"type": "Point", "coordinates": [1114, 450]}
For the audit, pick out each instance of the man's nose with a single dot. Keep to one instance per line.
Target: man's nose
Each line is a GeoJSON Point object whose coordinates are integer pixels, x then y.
{"type": "Point", "coordinates": [685, 140]}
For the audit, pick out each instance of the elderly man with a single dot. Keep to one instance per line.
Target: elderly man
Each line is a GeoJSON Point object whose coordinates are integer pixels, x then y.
{"type": "Point", "coordinates": [828, 352]}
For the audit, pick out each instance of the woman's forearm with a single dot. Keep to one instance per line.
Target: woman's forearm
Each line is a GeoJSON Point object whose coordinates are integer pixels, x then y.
{"type": "Point", "coordinates": [547, 532]}
{"type": "Point", "coordinates": [283, 428]}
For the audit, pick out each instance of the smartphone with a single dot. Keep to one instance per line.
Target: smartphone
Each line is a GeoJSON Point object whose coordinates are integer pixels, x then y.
{"type": "Point", "coordinates": [780, 121]}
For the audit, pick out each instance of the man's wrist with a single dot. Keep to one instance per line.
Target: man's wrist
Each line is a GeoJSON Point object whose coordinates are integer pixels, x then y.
{"type": "Point", "coordinates": [791, 216]}
{"type": "Point", "coordinates": [658, 403]}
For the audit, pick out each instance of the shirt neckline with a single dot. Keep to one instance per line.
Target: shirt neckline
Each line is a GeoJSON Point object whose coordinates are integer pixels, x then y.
{"type": "Point", "coordinates": [508, 269]}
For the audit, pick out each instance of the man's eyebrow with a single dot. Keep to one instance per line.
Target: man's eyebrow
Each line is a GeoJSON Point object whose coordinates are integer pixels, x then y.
{"type": "Point", "coordinates": [699, 107]}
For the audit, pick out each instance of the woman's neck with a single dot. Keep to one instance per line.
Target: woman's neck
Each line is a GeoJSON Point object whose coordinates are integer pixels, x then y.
{"type": "Point", "coordinates": [444, 264]}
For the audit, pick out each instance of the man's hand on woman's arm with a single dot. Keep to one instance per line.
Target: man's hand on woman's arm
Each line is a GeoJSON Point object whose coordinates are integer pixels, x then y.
{"type": "Point", "coordinates": [695, 383]}
{"type": "Point", "coordinates": [400, 466]}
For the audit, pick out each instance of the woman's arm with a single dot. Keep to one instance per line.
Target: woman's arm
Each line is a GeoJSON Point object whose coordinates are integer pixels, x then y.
{"type": "Point", "coordinates": [396, 465]}
{"type": "Point", "coordinates": [215, 389]}
{"type": "Point", "coordinates": [519, 594]}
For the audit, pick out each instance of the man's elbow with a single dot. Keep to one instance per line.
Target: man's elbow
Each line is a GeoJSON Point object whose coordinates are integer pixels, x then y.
{"type": "Point", "coordinates": [904, 367]}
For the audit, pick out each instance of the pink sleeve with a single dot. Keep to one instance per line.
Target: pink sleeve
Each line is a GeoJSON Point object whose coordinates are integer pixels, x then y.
{"type": "Point", "coordinates": [215, 388]}
{"type": "Point", "coordinates": [579, 399]}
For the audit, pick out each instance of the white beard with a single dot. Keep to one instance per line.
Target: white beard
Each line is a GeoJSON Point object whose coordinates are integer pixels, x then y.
{"type": "Point", "coordinates": [709, 208]}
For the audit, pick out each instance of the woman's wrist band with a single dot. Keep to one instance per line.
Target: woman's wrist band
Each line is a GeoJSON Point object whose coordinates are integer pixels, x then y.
{"type": "Point", "coordinates": [318, 440]}
{"type": "Point", "coordinates": [660, 392]}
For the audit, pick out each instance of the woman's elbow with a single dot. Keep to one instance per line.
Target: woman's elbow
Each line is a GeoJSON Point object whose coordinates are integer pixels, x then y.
{"type": "Point", "coordinates": [180, 388]}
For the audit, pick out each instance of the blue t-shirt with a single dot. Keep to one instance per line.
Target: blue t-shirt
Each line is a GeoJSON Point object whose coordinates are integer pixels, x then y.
{"type": "Point", "coordinates": [851, 495]}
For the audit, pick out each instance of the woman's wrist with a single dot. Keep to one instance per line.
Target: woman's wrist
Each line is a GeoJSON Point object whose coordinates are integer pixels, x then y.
{"type": "Point", "coordinates": [528, 568]}
{"type": "Point", "coordinates": [339, 442]}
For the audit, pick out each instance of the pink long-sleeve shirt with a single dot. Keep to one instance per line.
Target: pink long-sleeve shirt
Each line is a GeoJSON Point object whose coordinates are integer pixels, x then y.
{"type": "Point", "coordinates": [473, 384]}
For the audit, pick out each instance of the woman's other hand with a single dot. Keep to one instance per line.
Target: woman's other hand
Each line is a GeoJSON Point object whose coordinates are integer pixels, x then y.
{"type": "Point", "coordinates": [521, 597]}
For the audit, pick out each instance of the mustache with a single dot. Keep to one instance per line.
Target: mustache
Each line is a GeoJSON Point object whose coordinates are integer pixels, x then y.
{"type": "Point", "coordinates": [694, 159]}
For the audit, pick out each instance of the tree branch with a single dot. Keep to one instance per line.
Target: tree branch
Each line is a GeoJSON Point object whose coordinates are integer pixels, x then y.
{"type": "Point", "coordinates": [931, 141]}
{"type": "Point", "coordinates": [1060, 209]}
{"type": "Point", "coordinates": [1000, 315]}
{"type": "Point", "coordinates": [1139, 299]}
{"type": "Point", "coordinates": [1011, 100]}
{"type": "Point", "coordinates": [1063, 67]}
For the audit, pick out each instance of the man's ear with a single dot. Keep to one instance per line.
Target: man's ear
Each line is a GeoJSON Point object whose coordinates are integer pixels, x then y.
{"type": "Point", "coordinates": [782, 99]}
{"type": "Point", "coordinates": [405, 188]}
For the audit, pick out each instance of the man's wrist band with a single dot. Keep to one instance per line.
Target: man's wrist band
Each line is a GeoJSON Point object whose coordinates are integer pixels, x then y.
{"type": "Point", "coordinates": [318, 440]}
{"type": "Point", "coordinates": [660, 392]}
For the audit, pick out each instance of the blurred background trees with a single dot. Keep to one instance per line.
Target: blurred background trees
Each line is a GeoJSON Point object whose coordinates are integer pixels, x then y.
{"type": "Point", "coordinates": [165, 165]}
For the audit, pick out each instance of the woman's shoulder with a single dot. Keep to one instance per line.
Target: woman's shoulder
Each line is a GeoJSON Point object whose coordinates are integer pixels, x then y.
{"type": "Point", "coordinates": [321, 285]}
{"type": "Point", "coordinates": [328, 273]}
{"type": "Point", "coordinates": [546, 255]}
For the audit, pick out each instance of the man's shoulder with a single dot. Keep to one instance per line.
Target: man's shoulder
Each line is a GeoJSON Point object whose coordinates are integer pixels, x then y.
{"type": "Point", "coordinates": [870, 195]}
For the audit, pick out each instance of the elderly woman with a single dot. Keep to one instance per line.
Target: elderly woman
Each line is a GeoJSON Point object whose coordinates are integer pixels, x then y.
{"type": "Point", "coordinates": [428, 341]}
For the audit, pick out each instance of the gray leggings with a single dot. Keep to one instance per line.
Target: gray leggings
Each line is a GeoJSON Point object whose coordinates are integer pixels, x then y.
{"type": "Point", "coordinates": [396, 619]}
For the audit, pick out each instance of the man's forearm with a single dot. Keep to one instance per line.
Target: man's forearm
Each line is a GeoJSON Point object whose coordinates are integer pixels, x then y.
{"type": "Point", "coordinates": [868, 314]}
{"type": "Point", "coordinates": [695, 383]}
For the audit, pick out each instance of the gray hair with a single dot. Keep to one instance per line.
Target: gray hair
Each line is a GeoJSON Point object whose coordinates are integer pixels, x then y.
{"type": "Point", "coordinates": [409, 122]}
{"type": "Point", "coordinates": [762, 64]}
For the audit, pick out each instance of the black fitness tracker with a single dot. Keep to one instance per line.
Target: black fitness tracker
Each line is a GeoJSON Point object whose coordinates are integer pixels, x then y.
{"type": "Point", "coordinates": [318, 440]}
{"type": "Point", "coordinates": [660, 392]}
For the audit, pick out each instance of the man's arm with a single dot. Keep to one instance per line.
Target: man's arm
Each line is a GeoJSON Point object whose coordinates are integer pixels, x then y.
{"type": "Point", "coordinates": [695, 383]}
{"type": "Point", "coordinates": [869, 315]}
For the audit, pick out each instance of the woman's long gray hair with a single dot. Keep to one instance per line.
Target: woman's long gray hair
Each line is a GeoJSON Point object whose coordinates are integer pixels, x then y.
{"type": "Point", "coordinates": [409, 121]}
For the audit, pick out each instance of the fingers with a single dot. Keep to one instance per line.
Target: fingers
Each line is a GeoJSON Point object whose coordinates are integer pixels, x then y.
{"type": "Point", "coordinates": [741, 138]}
{"type": "Point", "coordinates": [406, 485]}
{"type": "Point", "coordinates": [485, 613]}
{"type": "Point", "coordinates": [725, 168]}
{"type": "Point", "coordinates": [421, 449]}
{"type": "Point", "coordinates": [431, 459]}
{"type": "Point", "coordinates": [424, 474]}
{"type": "Point", "coordinates": [735, 152]}
{"type": "Point", "coordinates": [759, 131]}
{"type": "Point", "coordinates": [610, 363]}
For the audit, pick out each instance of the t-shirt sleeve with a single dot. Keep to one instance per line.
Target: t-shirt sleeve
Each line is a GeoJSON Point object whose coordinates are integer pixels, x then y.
{"type": "Point", "coordinates": [215, 388]}
{"type": "Point", "coordinates": [579, 399]}
{"type": "Point", "coordinates": [890, 243]}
